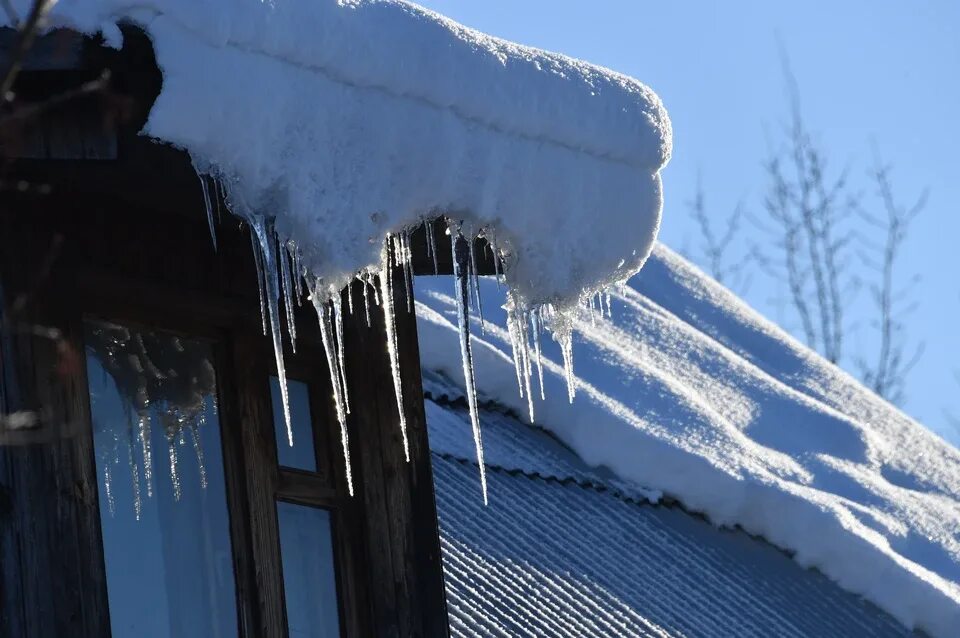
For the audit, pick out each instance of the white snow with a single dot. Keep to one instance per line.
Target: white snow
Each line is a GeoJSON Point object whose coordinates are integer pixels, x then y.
{"type": "Point", "coordinates": [688, 391]}
{"type": "Point", "coordinates": [352, 119]}
{"type": "Point", "coordinates": [334, 127]}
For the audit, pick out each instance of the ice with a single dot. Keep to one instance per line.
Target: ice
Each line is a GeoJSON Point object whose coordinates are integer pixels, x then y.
{"type": "Point", "coordinates": [266, 244]}
{"type": "Point", "coordinates": [174, 465]}
{"type": "Point", "coordinates": [432, 244]}
{"type": "Point", "coordinates": [337, 303]}
{"type": "Point", "coordinates": [690, 392]}
{"type": "Point", "coordinates": [209, 206]}
{"type": "Point", "coordinates": [366, 299]}
{"type": "Point", "coordinates": [389, 320]}
{"type": "Point", "coordinates": [537, 328]}
{"type": "Point", "coordinates": [143, 435]}
{"type": "Point", "coordinates": [475, 284]}
{"type": "Point", "coordinates": [194, 429]}
{"type": "Point", "coordinates": [337, 378]}
{"type": "Point", "coordinates": [258, 262]}
{"type": "Point", "coordinates": [461, 277]}
{"type": "Point", "coordinates": [287, 287]}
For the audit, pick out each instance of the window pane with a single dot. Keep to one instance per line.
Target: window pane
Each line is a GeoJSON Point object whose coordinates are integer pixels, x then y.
{"type": "Point", "coordinates": [300, 456]}
{"type": "Point", "coordinates": [309, 576]}
{"type": "Point", "coordinates": [163, 511]}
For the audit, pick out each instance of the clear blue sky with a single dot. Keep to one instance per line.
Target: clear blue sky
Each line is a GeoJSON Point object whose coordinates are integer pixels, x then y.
{"type": "Point", "coordinates": [870, 72]}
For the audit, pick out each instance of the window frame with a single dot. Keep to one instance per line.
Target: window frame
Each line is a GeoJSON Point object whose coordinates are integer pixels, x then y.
{"type": "Point", "coordinates": [75, 254]}
{"type": "Point", "coordinates": [250, 455]}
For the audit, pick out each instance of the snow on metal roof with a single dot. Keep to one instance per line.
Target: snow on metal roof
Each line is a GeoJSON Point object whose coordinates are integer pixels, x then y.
{"type": "Point", "coordinates": [688, 391]}
{"type": "Point", "coordinates": [562, 551]}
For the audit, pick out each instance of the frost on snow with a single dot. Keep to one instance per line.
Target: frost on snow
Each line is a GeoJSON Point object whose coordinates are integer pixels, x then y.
{"type": "Point", "coordinates": [687, 391]}
{"type": "Point", "coordinates": [335, 127]}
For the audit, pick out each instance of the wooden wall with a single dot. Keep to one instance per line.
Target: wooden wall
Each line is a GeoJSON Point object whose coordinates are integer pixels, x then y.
{"type": "Point", "coordinates": [73, 251]}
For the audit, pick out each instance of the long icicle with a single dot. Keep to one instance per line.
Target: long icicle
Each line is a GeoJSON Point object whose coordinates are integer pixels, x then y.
{"type": "Point", "coordinates": [326, 336]}
{"type": "Point", "coordinates": [432, 244]}
{"type": "Point", "coordinates": [514, 345]}
{"type": "Point", "coordinates": [209, 204]}
{"type": "Point", "coordinates": [537, 322]}
{"type": "Point", "coordinates": [341, 359]}
{"type": "Point", "coordinates": [522, 332]}
{"type": "Point", "coordinates": [260, 279]}
{"type": "Point", "coordinates": [266, 238]}
{"type": "Point", "coordinates": [366, 298]}
{"type": "Point", "coordinates": [461, 260]}
{"type": "Point", "coordinates": [389, 318]}
{"type": "Point", "coordinates": [475, 283]}
{"type": "Point", "coordinates": [286, 282]}
{"type": "Point", "coordinates": [406, 261]}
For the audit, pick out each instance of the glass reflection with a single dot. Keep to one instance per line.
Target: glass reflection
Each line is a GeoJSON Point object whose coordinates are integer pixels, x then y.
{"type": "Point", "coordinates": [309, 575]}
{"type": "Point", "coordinates": [163, 508]}
{"type": "Point", "coordinates": [300, 455]}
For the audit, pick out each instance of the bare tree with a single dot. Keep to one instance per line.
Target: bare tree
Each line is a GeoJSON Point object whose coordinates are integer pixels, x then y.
{"type": "Point", "coordinates": [717, 249]}
{"type": "Point", "coordinates": [813, 222]}
{"type": "Point", "coordinates": [808, 213]}
{"type": "Point", "coordinates": [887, 374]}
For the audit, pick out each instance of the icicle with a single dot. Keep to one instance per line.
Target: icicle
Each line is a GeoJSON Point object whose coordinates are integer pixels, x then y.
{"type": "Point", "coordinates": [108, 487]}
{"type": "Point", "coordinates": [174, 465]}
{"type": "Point", "coordinates": [143, 433]}
{"type": "Point", "coordinates": [523, 342]}
{"type": "Point", "coordinates": [389, 318]}
{"type": "Point", "coordinates": [336, 376]}
{"type": "Point", "coordinates": [565, 339]}
{"type": "Point", "coordinates": [462, 294]}
{"type": "Point", "coordinates": [366, 299]}
{"type": "Point", "coordinates": [341, 359]}
{"type": "Point", "coordinates": [272, 289]}
{"type": "Point", "coordinates": [515, 347]}
{"type": "Point", "coordinates": [260, 279]}
{"type": "Point", "coordinates": [217, 196]}
{"type": "Point", "coordinates": [209, 205]}
{"type": "Point", "coordinates": [475, 282]}
{"type": "Point", "coordinates": [198, 450]}
{"type": "Point", "coordinates": [432, 245]}
{"type": "Point", "coordinates": [134, 475]}
{"type": "Point", "coordinates": [350, 297]}
{"type": "Point", "coordinates": [297, 272]}
{"type": "Point", "coordinates": [406, 260]}
{"type": "Point", "coordinates": [286, 283]}
{"type": "Point", "coordinates": [537, 322]}
{"type": "Point", "coordinates": [496, 263]}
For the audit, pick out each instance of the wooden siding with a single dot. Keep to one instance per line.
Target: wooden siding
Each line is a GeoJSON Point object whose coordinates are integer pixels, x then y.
{"type": "Point", "coordinates": [72, 252]}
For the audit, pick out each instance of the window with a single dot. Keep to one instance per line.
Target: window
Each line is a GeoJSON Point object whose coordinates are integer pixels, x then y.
{"type": "Point", "coordinates": [309, 582]}
{"type": "Point", "coordinates": [299, 453]}
{"type": "Point", "coordinates": [305, 528]}
{"type": "Point", "coordinates": [163, 508]}
{"type": "Point", "coordinates": [239, 534]}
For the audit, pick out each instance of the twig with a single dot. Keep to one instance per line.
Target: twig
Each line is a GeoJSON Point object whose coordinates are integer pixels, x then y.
{"type": "Point", "coordinates": [26, 34]}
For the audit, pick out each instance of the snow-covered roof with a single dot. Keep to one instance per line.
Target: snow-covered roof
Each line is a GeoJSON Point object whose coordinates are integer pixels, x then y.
{"type": "Point", "coordinates": [688, 391]}
{"type": "Point", "coordinates": [336, 126]}
{"type": "Point", "coordinates": [348, 120]}
{"type": "Point", "coordinates": [565, 550]}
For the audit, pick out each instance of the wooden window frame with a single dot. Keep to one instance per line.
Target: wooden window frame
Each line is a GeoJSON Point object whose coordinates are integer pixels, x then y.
{"type": "Point", "coordinates": [386, 538]}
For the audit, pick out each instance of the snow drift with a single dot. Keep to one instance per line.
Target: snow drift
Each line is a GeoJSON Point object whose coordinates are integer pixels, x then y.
{"type": "Point", "coordinates": [349, 120]}
{"type": "Point", "coordinates": [688, 391]}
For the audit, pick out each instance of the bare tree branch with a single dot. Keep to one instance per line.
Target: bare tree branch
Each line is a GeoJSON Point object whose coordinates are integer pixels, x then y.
{"type": "Point", "coordinates": [716, 248]}
{"type": "Point", "coordinates": [887, 376]}
{"type": "Point", "coordinates": [27, 31]}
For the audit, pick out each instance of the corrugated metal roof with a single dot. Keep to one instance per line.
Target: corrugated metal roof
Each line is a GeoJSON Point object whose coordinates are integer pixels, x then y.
{"type": "Point", "coordinates": [564, 550]}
